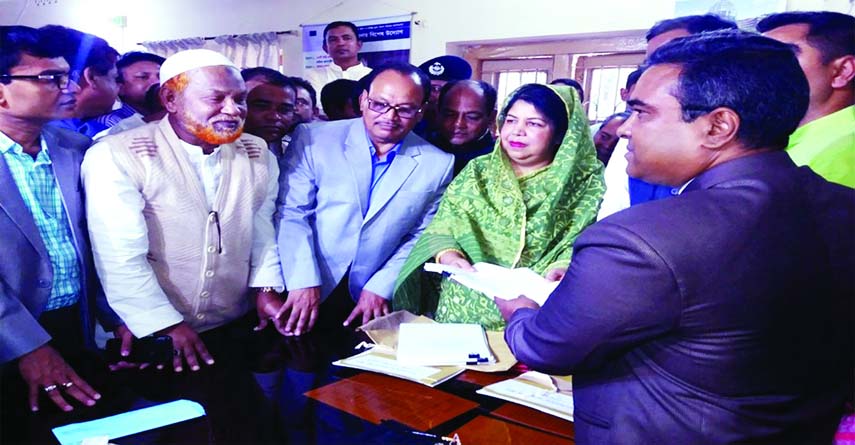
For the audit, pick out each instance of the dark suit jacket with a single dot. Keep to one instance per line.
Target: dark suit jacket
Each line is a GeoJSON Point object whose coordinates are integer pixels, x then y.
{"type": "Point", "coordinates": [719, 316]}
{"type": "Point", "coordinates": [26, 275]}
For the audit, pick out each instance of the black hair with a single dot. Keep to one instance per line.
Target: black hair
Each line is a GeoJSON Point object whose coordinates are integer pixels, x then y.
{"type": "Point", "coordinates": [570, 83]}
{"type": "Point", "coordinates": [632, 78]}
{"type": "Point", "coordinates": [299, 82]}
{"type": "Point", "coordinates": [832, 33]}
{"type": "Point", "coordinates": [152, 97]}
{"type": "Point", "coordinates": [487, 90]}
{"type": "Point", "coordinates": [133, 57]}
{"type": "Point", "coordinates": [547, 102]}
{"type": "Point", "coordinates": [337, 93]}
{"type": "Point", "coordinates": [82, 50]}
{"type": "Point", "coordinates": [621, 115]}
{"type": "Point", "coordinates": [338, 24]}
{"type": "Point", "coordinates": [403, 68]}
{"type": "Point", "coordinates": [757, 77]}
{"type": "Point", "coordinates": [693, 24]}
{"type": "Point", "coordinates": [18, 40]}
{"type": "Point", "coordinates": [269, 75]}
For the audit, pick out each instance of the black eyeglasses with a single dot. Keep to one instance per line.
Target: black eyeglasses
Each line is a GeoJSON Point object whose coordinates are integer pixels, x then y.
{"type": "Point", "coordinates": [405, 111]}
{"type": "Point", "coordinates": [61, 80]}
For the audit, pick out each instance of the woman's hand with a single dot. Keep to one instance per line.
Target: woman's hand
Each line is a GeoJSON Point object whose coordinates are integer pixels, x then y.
{"type": "Point", "coordinates": [455, 259]}
{"type": "Point", "coordinates": [556, 274]}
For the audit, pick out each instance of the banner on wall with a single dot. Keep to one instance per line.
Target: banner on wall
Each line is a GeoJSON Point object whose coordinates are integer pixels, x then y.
{"type": "Point", "coordinates": [384, 39]}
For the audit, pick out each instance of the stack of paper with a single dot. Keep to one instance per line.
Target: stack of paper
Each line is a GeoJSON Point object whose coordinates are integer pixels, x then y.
{"type": "Point", "coordinates": [443, 344]}
{"type": "Point", "coordinates": [549, 394]}
{"type": "Point", "coordinates": [498, 281]}
{"type": "Point", "coordinates": [382, 360]}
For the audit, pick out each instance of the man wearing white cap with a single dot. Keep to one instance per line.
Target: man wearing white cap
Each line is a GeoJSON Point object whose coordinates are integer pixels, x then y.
{"type": "Point", "coordinates": [181, 211]}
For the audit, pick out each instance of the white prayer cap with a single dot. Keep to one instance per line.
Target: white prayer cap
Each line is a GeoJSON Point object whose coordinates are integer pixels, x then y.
{"type": "Point", "coordinates": [184, 61]}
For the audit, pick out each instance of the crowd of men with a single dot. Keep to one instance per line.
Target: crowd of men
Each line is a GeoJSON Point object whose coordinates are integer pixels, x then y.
{"type": "Point", "coordinates": [216, 196]}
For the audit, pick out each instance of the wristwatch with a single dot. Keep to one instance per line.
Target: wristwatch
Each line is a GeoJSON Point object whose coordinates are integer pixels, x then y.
{"type": "Point", "coordinates": [267, 289]}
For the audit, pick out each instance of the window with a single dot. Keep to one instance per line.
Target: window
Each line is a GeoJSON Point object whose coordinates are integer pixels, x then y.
{"type": "Point", "coordinates": [604, 76]}
{"type": "Point", "coordinates": [507, 75]}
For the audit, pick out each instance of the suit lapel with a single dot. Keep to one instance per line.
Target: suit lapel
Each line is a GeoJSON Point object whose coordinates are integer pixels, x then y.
{"type": "Point", "coordinates": [359, 160]}
{"type": "Point", "coordinates": [400, 169]}
{"type": "Point", "coordinates": [66, 169]}
{"type": "Point", "coordinates": [13, 204]}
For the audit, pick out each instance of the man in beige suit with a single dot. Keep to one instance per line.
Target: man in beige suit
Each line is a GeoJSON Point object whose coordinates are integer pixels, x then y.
{"type": "Point", "coordinates": [181, 211]}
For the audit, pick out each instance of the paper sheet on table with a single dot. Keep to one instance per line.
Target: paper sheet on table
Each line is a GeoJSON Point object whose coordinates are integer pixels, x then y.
{"type": "Point", "coordinates": [382, 360]}
{"type": "Point", "coordinates": [498, 281]}
{"type": "Point", "coordinates": [549, 394]}
{"type": "Point", "coordinates": [384, 331]}
{"type": "Point", "coordinates": [443, 344]}
{"type": "Point", "coordinates": [131, 422]}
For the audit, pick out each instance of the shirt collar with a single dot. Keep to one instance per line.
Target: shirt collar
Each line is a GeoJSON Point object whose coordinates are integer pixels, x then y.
{"type": "Point", "coordinates": [7, 145]}
{"type": "Point", "coordinates": [389, 154]}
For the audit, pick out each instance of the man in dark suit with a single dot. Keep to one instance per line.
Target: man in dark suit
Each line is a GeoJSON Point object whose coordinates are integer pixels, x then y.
{"type": "Point", "coordinates": [47, 284]}
{"type": "Point", "coordinates": [722, 315]}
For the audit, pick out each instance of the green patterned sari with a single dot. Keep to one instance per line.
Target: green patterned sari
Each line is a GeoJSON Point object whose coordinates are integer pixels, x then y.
{"type": "Point", "coordinates": [493, 216]}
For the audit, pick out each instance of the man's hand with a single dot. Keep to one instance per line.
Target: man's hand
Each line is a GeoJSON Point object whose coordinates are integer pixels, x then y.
{"type": "Point", "coordinates": [303, 306]}
{"type": "Point", "coordinates": [508, 307]}
{"type": "Point", "coordinates": [455, 259]}
{"type": "Point", "coordinates": [370, 306]}
{"type": "Point", "coordinates": [187, 344]}
{"type": "Point", "coordinates": [556, 274]}
{"type": "Point", "coordinates": [267, 305]}
{"type": "Point", "coordinates": [123, 333]}
{"type": "Point", "coordinates": [45, 370]}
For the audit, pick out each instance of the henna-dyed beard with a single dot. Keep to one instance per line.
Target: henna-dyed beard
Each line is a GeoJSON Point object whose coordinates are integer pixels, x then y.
{"type": "Point", "coordinates": [209, 134]}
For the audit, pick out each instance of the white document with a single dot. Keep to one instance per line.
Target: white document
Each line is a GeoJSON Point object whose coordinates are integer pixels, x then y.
{"type": "Point", "coordinates": [528, 391]}
{"type": "Point", "coordinates": [443, 344]}
{"type": "Point", "coordinates": [498, 281]}
{"type": "Point", "coordinates": [383, 361]}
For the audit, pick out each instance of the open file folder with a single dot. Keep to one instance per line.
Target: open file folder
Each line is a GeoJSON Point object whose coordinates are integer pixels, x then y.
{"type": "Point", "coordinates": [443, 344]}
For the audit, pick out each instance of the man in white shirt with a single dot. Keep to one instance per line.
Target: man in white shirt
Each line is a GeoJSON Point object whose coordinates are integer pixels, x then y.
{"type": "Point", "coordinates": [342, 43]}
{"type": "Point", "coordinates": [181, 211]}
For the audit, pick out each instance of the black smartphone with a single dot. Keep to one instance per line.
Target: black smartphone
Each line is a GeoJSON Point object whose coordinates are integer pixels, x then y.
{"type": "Point", "coordinates": [157, 349]}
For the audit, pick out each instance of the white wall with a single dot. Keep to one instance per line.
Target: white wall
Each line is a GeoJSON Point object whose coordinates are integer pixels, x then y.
{"type": "Point", "coordinates": [439, 21]}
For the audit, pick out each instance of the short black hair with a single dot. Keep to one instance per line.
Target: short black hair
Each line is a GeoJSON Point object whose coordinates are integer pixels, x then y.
{"type": "Point", "coordinates": [490, 94]}
{"type": "Point", "coordinates": [832, 33]}
{"type": "Point", "coordinates": [693, 24]}
{"type": "Point", "coordinates": [337, 93]}
{"type": "Point", "coordinates": [82, 50]}
{"type": "Point", "coordinates": [621, 115]}
{"type": "Point", "coordinates": [18, 40]}
{"type": "Point", "coordinates": [339, 24]}
{"type": "Point", "coordinates": [547, 102]}
{"type": "Point", "coordinates": [757, 77]}
{"type": "Point", "coordinates": [269, 75]}
{"type": "Point", "coordinates": [403, 68]}
{"type": "Point", "coordinates": [632, 79]}
{"type": "Point", "coordinates": [133, 57]}
{"type": "Point", "coordinates": [571, 83]}
{"type": "Point", "coordinates": [299, 82]}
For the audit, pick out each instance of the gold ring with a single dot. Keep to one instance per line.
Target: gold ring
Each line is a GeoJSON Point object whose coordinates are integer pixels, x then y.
{"type": "Point", "coordinates": [50, 388]}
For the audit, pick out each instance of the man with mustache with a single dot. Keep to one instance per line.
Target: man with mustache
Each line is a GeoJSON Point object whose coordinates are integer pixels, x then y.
{"type": "Point", "coordinates": [181, 212]}
{"type": "Point", "coordinates": [271, 109]}
{"type": "Point", "coordinates": [356, 195]}
{"type": "Point", "coordinates": [467, 109]}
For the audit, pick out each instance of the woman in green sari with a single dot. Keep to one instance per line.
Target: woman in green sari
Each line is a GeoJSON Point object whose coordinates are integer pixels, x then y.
{"type": "Point", "coordinates": [523, 205]}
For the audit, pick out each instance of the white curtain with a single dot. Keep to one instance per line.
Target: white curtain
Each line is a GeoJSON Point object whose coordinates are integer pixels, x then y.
{"type": "Point", "coordinates": [167, 48]}
{"type": "Point", "coordinates": [245, 50]}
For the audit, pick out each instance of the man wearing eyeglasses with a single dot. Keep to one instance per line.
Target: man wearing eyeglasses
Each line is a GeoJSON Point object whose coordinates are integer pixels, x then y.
{"type": "Point", "coordinates": [47, 284]}
{"type": "Point", "coordinates": [354, 197]}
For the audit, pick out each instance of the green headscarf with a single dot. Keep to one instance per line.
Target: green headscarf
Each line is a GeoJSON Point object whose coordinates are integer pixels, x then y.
{"type": "Point", "coordinates": [493, 216]}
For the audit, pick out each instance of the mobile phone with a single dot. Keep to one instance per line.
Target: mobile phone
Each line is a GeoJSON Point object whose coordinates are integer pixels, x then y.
{"type": "Point", "coordinates": [156, 349]}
